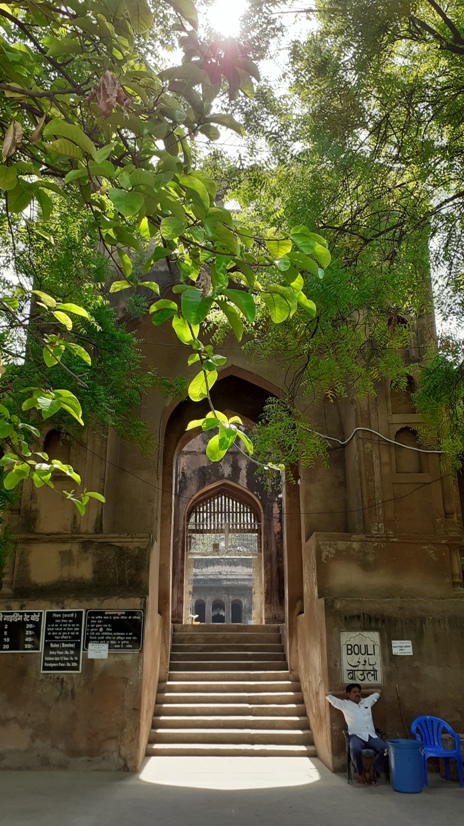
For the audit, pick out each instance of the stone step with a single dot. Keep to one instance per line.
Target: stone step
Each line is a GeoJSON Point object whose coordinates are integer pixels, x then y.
{"type": "Point", "coordinates": [242, 722]}
{"type": "Point", "coordinates": [250, 657]}
{"type": "Point", "coordinates": [167, 709]}
{"type": "Point", "coordinates": [224, 698]}
{"type": "Point", "coordinates": [287, 737]}
{"type": "Point", "coordinates": [224, 628]}
{"type": "Point", "coordinates": [229, 692]}
{"type": "Point", "coordinates": [223, 665]}
{"type": "Point", "coordinates": [229, 750]}
{"type": "Point", "coordinates": [226, 639]}
{"type": "Point", "coordinates": [234, 645]}
{"type": "Point", "coordinates": [227, 683]}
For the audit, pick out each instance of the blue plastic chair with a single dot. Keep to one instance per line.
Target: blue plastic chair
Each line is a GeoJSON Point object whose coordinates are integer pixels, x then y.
{"type": "Point", "coordinates": [429, 731]}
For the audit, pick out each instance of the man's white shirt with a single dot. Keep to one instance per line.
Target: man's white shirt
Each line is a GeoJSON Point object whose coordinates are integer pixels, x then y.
{"type": "Point", "coordinates": [358, 716]}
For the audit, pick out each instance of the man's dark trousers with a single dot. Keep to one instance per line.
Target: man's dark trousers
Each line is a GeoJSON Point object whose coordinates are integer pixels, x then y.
{"type": "Point", "coordinates": [376, 744]}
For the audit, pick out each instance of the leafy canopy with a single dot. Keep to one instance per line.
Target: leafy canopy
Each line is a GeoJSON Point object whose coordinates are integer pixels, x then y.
{"type": "Point", "coordinates": [91, 116]}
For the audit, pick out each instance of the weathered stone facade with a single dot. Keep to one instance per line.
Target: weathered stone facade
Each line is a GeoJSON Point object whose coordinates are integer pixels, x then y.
{"type": "Point", "coordinates": [370, 543]}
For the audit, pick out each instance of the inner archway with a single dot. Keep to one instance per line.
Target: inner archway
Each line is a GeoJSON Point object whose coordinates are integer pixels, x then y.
{"type": "Point", "coordinates": [236, 392]}
{"type": "Point", "coordinates": [223, 566]}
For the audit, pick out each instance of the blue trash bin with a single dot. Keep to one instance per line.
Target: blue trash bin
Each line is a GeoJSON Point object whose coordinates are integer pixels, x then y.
{"type": "Point", "coordinates": [405, 765]}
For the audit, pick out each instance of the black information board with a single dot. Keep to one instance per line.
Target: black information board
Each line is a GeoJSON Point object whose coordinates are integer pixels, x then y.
{"type": "Point", "coordinates": [20, 631]}
{"type": "Point", "coordinates": [62, 650]}
{"type": "Point", "coordinates": [121, 630]}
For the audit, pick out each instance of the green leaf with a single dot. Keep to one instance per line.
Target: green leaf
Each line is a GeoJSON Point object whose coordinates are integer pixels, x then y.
{"type": "Point", "coordinates": [63, 146]}
{"type": "Point", "coordinates": [209, 424]}
{"type": "Point", "coordinates": [45, 298]}
{"type": "Point", "coordinates": [7, 459]}
{"type": "Point", "coordinates": [305, 302]}
{"type": "Point", "coordinates": [6, 429]}
{"type": "Point", "coordinates": [14, 477]}
{"type": "Point", "coordinates": [303, 262]}
{"type": "Point", "coordinates": [301, 229]}
{"type": "Point", "coordinates": [246, 441]}
{"type": "Point", "coordinates": [102, 169]}
{"type": "Point", "coordinates": [183, 330]}
{"type": "Point", "coordinates": [63, 319]}
{"type": "Point", "coordinates": [295, 280]}
{"type": "Point", "coordinates": [247, 272]}
{"type": "Point", "coordinates": [310, 243]}
{"type": "Point", "coordinates": [140, 15]}
{"type": "Point", "coordinates": [73, 132]}
{"type": "Point", "coordinates": [70, 403]}
{"type": "Point", "coordinates": [244, 301]}
{"type": "Point", "coordinates": [20, 197]}
{"type": "Point", "coordinates": [194, 307]}
{"type": "Point", "coordinates": [162, 316]}
{"type": "Point", "coordinates": [48, 406]}
{"type": "Point", "coordinates": [79, 351]}
{"type": "Point", "coordinates": [119, 285]}
{"type": "Point", "coordinates": [163, 304]}
{"type": "Point", "coordinates": [150, 285]}
{"type": "Point", "coordinates": [228, 121]}
{"type": "Point", "coordinates": [214, 451]}
{"type": "Point", "coordinates": [287, 293]}
{"type": "Point", "coordinates": [8, 177]}
{"type": "Point", "coordinates": [49, 358]}
{"type": "Point", "coordinates": [196, 189]}
{"type": "Point", "coordinates": [79, 505]}
{"type": "Point", "coordinates": [46, 203]}
{"type": "Point", "coordinates": [201, 384]}
{"type": "Point", "coordinates": [190, 72]}
{"type": "Point", "coordinates": [94, 495]}
{"type": "Point", "coordinates": [171, 228]}
{"type": "Point", "coordinates": [126, 263]}
{"type": "Point", "coordinates": [73, 308]}
{"type": "Point", "coordinates": [142, 177]}
{"type": "Point", "coordinates": [233, 318]}
{"type": "Point", "coordinates": [75, 174]}
{"type": "Point", "coordinates": [322, 255]}
{"type": "Point", "coordinates": [194, 424]}
{"type": "Point", "coordinates": [215, 217]}
{"type": "Point", "coordinates": [278, 307]}
{"type": "Point", "coordinates": [35, 432]}
{"type": "Point", "coordinates": [278, 246]}
{"type": "Point", "coordinates": [226, 238]}
{"type": "Point", "coordinates": [127, 203]}
{"type": "Point", "coordinates": [211, 132]}
{"type": "Point", "coordinates": [102, 154]}
{"type": "Point", "coordinates": [186, 9]}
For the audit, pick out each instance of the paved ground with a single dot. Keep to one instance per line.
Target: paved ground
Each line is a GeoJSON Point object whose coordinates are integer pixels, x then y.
{"type": "Point", "coordinates": [207, 791]}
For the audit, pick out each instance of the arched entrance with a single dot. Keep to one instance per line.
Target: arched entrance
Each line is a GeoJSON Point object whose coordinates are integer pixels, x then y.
{"type": "Point", "coordinates": [223, 556]}
{"type": "Point", "coordinates": [244, 395]}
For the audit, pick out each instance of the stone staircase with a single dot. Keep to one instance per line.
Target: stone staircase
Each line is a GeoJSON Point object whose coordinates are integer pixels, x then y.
{"type": "Point", "coordinates": [229, 692]}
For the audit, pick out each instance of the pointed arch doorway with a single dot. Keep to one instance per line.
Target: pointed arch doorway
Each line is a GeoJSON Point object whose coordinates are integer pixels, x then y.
{"type": "Point", "coordinates": [244, 395]}
{"type": "Point", "coordinates": [223, 569]}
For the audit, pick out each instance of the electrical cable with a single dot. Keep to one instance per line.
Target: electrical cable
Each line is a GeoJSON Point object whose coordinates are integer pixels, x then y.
{"type": "Point", "coordinates": [369, 430]}
{"type": "Point", "coordinates": [284, 513]}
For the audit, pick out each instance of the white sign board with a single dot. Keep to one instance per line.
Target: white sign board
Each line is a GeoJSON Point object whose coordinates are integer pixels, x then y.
{"type": "Point", "coordinates": [402, 647]}
{"type": "Point", "coordinates": [361, 657]}
{"type": "Point", "coordinates": [98, 651]}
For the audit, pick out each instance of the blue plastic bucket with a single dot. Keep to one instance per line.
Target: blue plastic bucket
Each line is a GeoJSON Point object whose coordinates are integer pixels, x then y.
{"type": "Point", "coordinates": [405, 765]}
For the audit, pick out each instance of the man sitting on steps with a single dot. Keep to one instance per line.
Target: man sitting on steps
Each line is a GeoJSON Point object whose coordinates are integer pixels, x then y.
{"type": "Point", "coordinates": [361, 730]}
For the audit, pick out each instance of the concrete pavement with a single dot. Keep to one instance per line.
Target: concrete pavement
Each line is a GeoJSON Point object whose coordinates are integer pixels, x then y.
{"type": "Point", "coordinates": [224, 791]}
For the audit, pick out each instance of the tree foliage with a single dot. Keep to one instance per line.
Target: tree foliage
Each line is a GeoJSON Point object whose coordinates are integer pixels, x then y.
{"type": "Point", "coordinates": [366, 148]}
{"type": "Point", "coordinates": [93, 118]}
